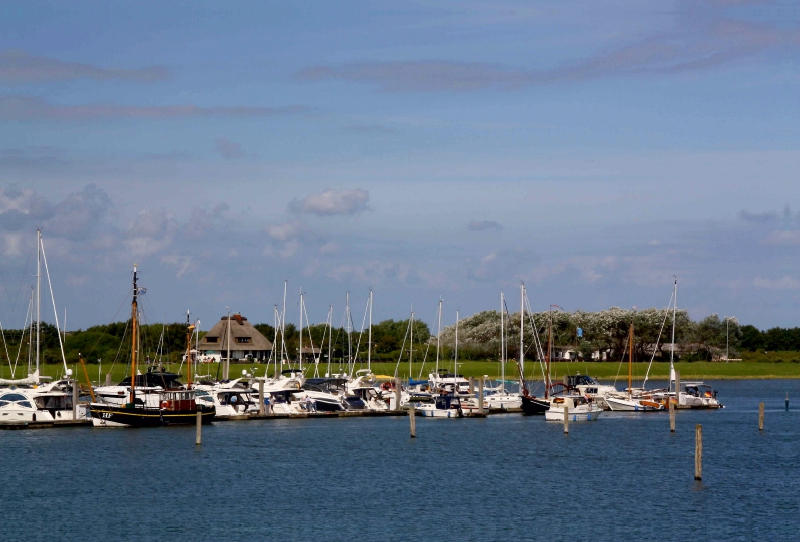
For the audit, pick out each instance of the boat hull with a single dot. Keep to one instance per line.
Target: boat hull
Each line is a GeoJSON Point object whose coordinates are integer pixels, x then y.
{"type": "Point", "coordinates": [533, 406]}
{"type": "Point", "coordinates": [120, 416]}
{"type": "Point", "coordinates": [632, 405]}
{"type": "Point", "coordinates": [574, 415]}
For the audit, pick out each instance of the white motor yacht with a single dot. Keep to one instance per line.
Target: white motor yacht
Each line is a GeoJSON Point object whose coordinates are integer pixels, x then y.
{"type": "Point", "coordinates": [233, 398]}
{"type": "Point", "coordinates": [580, 409]}
{"type": "Point", "coordinates": [442, 406]}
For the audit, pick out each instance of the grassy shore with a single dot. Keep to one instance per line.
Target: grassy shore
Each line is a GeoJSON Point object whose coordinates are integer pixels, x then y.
{"type": "Point", "coordinates": [753, 366]}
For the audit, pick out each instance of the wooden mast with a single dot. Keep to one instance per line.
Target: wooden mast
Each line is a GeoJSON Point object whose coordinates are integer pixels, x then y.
{"type": "Point", "coordinates": [134, 337]}
{"type": "Point", "coordinates": [189, 330]}
{"type": "Point", "coordinates": [549, 354]}
{"type": "Point", "coordinates": [630, 362]}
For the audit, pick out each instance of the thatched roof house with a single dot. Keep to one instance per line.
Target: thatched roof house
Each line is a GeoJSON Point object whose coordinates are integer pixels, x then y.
{"type": "Point", "coordinates": [245, 340]}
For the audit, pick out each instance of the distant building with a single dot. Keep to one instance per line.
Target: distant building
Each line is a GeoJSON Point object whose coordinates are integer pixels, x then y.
{"type": "Point", "coordinates": [246, 342]}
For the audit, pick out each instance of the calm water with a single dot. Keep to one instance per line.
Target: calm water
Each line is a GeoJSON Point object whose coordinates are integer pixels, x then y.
{"type": "Point", "coordinates": [501, 478]}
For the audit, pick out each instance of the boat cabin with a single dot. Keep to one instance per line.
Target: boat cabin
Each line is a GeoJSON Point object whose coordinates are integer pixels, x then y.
{"type": "Point", "coordinates": [570, 401]}
{"type": "Point", "coordinates": [177, 400]}
{"type": "Point", "coordinates": [446, 402]}
{"type": "Point", "coordinates": [155, 377]}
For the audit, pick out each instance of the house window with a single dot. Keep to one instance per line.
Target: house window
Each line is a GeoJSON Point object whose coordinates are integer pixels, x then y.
{"type": "Point", "coordinates": [211, 339]}
{"type": "Point", "coordinates": [242, 340]}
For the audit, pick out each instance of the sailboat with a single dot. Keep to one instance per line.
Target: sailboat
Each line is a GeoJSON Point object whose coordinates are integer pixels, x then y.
{"type": "Point", "coordinates": [37, 398]}
{"type": "Point", "coordinates": [502, 399]}
{"type": "Point", "coordinates": [627, 401]}
{"type": "Point", "coordinates": [149, 405]}
{"type": "Point", "coordinates": [532, 405]}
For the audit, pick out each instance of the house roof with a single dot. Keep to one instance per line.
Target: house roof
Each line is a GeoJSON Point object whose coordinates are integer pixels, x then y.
{"type": "Point", "coordinates": [239, 328]}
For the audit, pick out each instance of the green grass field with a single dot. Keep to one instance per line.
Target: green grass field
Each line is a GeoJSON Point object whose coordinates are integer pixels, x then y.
{"type": "Point", "coordinates": [754, 365]}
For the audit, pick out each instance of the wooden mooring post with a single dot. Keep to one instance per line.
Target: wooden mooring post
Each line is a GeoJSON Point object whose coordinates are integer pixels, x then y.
{"type": "Point", "coordinates": [198, 438]}
{"type": "Point", "coordinates": [671, 415]}
{"type": "Point", "coordinates": [261, 406]}
{"type": "Point", "coordinates": [760, 416]}
{"type": "Point", "coordinates": [75, 395]}
{"type": "Point", "coordinates": [108, 379]}
{"type": "Point", "coordinates": [397, 393]}
{"type": "Point", "coordinates": [566, 420]}
{"type": "Point", "coordinates": [480, 395]}
{"type": "Point", "coordinates": [412, 416]}
{"type": "Point", "coordinates": [471, 385]}
{"type": "Point", "coordinates": [698, 452]}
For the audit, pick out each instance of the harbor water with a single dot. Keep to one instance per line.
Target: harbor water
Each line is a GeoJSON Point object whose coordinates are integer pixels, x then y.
{"type": "Point", "coordinates": [505, 477]}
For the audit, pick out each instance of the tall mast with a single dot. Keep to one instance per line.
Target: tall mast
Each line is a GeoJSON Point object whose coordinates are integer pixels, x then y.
{"type": "Point", "coordinates": [330, 336]}
{"type": "Point", "coordinates": [349, 331]}
{"type": "Point", "coordinates": [502, 346]}
{"type": "Point", "coordinates": [38, 296]}
{"type": "Point", "coordinates": [301, 329]}
{"type": "Point", "coordinates": [522, 328]}
{"type": "Point", "coordinates": [672, 345]}
{"type": "Point", "coordinates": [411, 342]}
{"type": "Point", "coordinates": [189, 330]}
{"type": "Point", "coordinates": [455, 359]}
{"type": "Point", "coordinates": [630, 361]}
{"type": "Point", "coordinates": [549, 353]}
{"type": "Point", "coordinates": [283, 323]}
{"type": "Point", "coordinates": [134, 336]}
{"type": "Point", "coordinates": [369, 340]}
{"type": "Point", "coordinates": [228, 341]}
{"type": "Point", "coordinates": [438, 336]}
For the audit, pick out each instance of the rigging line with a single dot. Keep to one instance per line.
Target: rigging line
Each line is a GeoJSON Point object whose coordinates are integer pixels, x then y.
{"type": "Point", "coordinates": [402, 349]}
{"type": "Point", "coordinates": [105, 330]}
{"type": "Point", "coordinates": [358, 345]}
{"type": "Point", "coordinates": [55, 310]}
{"type": "Point", "coordinates": [310, 338]}
{"type": "Point", "coordinates": [658, 340]}
{"type": "Point", "coordinates": [419, 377]}
{"type": "Point", "coordinates": [22, 336]}
{"type": "Point", "coordinates": [13, 306]}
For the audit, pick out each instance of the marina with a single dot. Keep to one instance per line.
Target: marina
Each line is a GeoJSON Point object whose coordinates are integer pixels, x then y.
{"type": "Point", "coordinates": [498, 463]}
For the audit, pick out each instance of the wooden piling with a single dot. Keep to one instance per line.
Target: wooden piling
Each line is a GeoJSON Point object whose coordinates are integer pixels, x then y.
{"type": "Point", "coordinates": [760, 416]}
{"type": "Point", "coordinates": [75, 396]}
{"type": "Point", "coordinates": [261, 406]}
{"type": "Point", "coordinates": [108, 379]}
{"type": "Point", "coordinates": [698, 452]}
{"type": "Point", "coordinates": [671, 415]}
{"type": "Point", "coordinates": [471, 385]}
{"type": "Point", "coordinates": [566, 420]}
{"type": "Point", "coordinates": [480, 395]}
{"type": "Point", "coordinates": [198, 438]}
{"type": "Point", "coordinates": [412, 416]}
{"type": "Point", "coordinates": [397, 392]}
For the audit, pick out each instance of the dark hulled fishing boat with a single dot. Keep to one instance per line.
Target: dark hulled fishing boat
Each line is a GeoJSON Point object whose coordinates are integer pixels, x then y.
{"type": "Point", "coordinates": [153, 405]}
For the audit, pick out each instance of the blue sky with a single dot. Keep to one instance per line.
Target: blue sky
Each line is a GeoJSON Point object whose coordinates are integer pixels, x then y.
{"type": "Point", "coordinates": [422, 149]}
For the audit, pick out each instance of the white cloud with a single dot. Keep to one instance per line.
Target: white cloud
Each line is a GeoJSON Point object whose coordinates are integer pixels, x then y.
{"type": "Point", "coordinates": [333, 202]}
{"type": "Point", "coordinates": [783, 238]}
{"type": "Point", "coordinates": [286, 231]}
{"type": "Point", "coordinates": [329, 248]}
{"type": "Point", "coordinates": [783, 283]}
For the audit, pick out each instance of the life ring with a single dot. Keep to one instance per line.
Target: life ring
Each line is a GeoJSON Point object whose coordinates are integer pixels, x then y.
{"type": "Point", "coordinates": [165, 404]}
{"type": "Point", "coordinates": [386, 386]}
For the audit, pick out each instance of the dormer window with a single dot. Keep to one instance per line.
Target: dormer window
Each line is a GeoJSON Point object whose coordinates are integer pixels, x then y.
{"type": "Point", "coordinates": [242, 340]}
{"type": "Point", "coordinates": [211, 339]}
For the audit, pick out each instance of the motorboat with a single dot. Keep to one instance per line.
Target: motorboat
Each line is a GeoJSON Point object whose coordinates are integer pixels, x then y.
{"type": "Point", "coordinates": [697, 395]}
{"type": "Point", "coordinates": [233, 398]}
{"type": "Point", "coordinates": [442, 406]}
{"type": "Point", "coordinates": [622, 402]}
{"type": "Point", "coordinates": [364, 386]}
{"type": "Point", "coordinates": [591, 387]}
{"type": "Point", "coordinates": [579, 409]}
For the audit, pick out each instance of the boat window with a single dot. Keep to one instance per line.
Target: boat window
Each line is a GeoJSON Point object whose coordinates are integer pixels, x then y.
{"type": "Point", "coordinates": [13, 397]}
{"type": "Point", "coordinates": [25, 404]}
{"type": "Point", "coordinates": [3, 403]}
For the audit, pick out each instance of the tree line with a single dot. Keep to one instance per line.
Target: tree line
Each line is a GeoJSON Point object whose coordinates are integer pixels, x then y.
{"type": "Point", "coordinates": [587, 333]}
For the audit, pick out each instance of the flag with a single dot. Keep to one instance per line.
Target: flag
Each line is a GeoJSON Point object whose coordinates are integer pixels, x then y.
{"type": "Point", "coordinates": [580, 332]}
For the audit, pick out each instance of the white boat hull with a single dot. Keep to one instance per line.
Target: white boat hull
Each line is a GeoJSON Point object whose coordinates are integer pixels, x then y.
{"type": "Point", "coordinates": [574, 415]}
